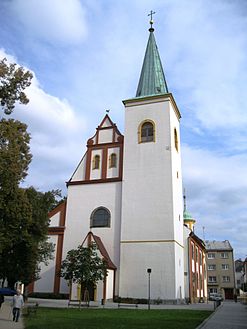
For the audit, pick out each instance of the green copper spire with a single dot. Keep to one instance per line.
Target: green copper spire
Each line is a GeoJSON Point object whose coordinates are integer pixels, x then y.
{"type": "Point", "coordinates": [152, 80]}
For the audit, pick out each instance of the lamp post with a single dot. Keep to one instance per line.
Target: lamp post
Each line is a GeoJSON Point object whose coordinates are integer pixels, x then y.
{"type": "Point", "coordinates": [149, 270]}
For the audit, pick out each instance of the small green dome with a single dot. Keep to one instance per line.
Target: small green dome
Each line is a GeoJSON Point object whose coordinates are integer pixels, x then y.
{"type": "Point", "coordinates": [187, 216]}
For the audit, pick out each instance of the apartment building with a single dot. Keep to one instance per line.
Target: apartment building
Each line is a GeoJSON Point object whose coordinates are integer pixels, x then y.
{"type": "Point", "coordinates": [220, 268]}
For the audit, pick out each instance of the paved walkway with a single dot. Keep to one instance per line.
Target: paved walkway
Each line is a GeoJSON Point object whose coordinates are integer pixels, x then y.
{"type": "Point", "coordinates": [229, 315]}
{"type": "Point", "coordinates": [6, 317]}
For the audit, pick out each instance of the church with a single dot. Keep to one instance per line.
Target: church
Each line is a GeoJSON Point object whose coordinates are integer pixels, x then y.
{"type": "Point", "coordinates": [126, 195]}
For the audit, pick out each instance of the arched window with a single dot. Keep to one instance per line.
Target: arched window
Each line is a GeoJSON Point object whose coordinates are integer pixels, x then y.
{"type": "Point", "coordinates": [96, 162]}
{"type": "Point", "coordinates": [146, 132]}
{"type": "Point", "coordinates": [100, 217]}
{"type": "Point", "coordinates": [113, 160]}
{"type": "Point", "coordinates": [176, 138]}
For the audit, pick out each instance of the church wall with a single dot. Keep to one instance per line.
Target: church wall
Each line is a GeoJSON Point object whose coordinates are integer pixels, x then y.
{"type": "Point", "coordinates": [150, 206]}
{"type": "Point", "coordinates": [160, 258]}
{"type": "Point", "coordinates": [176, 175]}
{"type": "Point", "coordinates": [147, 198]}
{"type": "Point", "coordinates": [113, 172]}
{"type": "Point", "coordinates": [54, 221]}
{"type": "Point", "coordinates": [47, 273]}
{"type": "Point", "coordinates": [105, 136]}
{"type": "Point", "coordinates": [96, 173]}
{"type": "Point", "coordinates": [82, 200]}
{"type": "Point", "coordinates": [110, 284]}
{"type": "Point", "coordinates": [186, 263]}
{"type": "Point", "coordinates": [79, 173]}
{"type": "Point", "coordinates": [179, 272]}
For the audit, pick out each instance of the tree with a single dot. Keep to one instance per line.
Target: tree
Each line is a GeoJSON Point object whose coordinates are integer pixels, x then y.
{"type": "Point", "coordinates": [25, 225]}
{"type": "Point", "coordinates": [15, 155]}
{"type": "Point", "coordinates": [13, 80]}
{"type": "Point", "coordinates": [83, 266]}
{"type": "Point", "coordinates": [23, 212]}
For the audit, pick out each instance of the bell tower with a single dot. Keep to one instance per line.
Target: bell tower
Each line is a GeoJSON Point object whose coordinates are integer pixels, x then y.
{"type": "Point", "coordinates": [152, 198]}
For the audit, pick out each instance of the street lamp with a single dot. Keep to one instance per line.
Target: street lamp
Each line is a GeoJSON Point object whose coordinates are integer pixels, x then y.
{"type": "Point", "coordinates": [149, 270]}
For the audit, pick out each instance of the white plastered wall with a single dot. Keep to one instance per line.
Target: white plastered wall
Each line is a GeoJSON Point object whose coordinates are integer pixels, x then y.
{"type": "Point", "coordinates": [82, 200]}
{"type": "Point", "coordinates": [148, 207]}
{"type": "Point", "coordinates": [47, 273]}
{"type": "Point", "coordinates": [96, 173]}
{"type": "Point", "coordinates": [54, 221]}
{"type": "Point", "coordinates": [110, 284]}
{"type": "Point", "coordinates": [105, 136]}
{"type": "Point", "coordinates": [113, 172]}
{"type": "Point", "coordinates": [157, 256]}
{"type": "Point", "coordinates": [186, 262]}
{"type": "Point", "coordinates": [79, 173]}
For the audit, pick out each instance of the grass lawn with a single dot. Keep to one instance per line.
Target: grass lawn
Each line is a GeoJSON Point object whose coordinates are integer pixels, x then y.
{"type": "Point", "coordinates": [47, 318]}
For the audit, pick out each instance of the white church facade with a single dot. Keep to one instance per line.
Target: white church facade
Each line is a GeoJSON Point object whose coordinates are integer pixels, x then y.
{"type": "Point", "coordinates": [126, 196]}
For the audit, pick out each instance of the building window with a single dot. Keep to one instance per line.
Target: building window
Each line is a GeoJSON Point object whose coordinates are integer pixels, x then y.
{"type": "Point", "coordinates": [196, 254]}
{"type": "Point", "coordinates": [113, 160]}
{"type": "Point", "coordinates": [211, 267]}
{"type": "Point", "coordinates": [176, 139]}
{"type": "Point", "coordinates": [146, 132]}
{"type": "Point", "coordinates": [211, 255]}
{"type": "Point", "coordinates": [96, 162]}
{"type": "Point", "coordinates": [213, 290]}
{"type": "Point", "coordinates": [224, 255]}
{"type": "Point", "coordinates": [212, 279]}
{"type": "Point", "coordinates": [225, 266]}
{"type": "Point", "coordinates": [192, 251]}
{"type": "Point", "coordinates": [200, 258]}
{"type": "Point", "coordinates": [100, 217]}
{"type": "Point", "coordinates": [225, 279]}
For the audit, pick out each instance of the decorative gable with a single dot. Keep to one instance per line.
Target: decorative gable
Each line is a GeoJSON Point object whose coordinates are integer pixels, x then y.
{"type": "Point", "coordinates": [103, 160]}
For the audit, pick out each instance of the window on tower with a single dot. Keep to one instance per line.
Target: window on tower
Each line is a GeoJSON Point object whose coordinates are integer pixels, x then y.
{"type": "Point", "coordinates": [100, 217]}
{"type": "Point", "coordinates": [176, 139]}
{"type": "Point", "coordinates": [146, 132]}
{"type": "Point", "coordinates": [96, 162]}
{"type": "Point", "coordinates": [113, 160]}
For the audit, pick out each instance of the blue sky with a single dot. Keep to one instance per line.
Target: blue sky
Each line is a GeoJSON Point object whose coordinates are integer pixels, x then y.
{"type": "Point", "coordinates": [87, 56]}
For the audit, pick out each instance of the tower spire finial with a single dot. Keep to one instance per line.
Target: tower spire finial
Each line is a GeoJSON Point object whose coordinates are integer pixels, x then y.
{"type": "Point", "coordinates": [184, 196]}
{"type": "Point", "coordinates": [151, 20]}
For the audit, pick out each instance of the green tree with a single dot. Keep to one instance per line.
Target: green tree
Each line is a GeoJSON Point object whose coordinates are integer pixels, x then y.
{"type": "Point", "coordinates": [15, 157]}
{"type": "Point", "coordinates": [13, 80]}
{"type": "Point", "coordinates": [23, 212]}
{"type": "Point", "coordinates": [25, 225]}
{"type": "Point", "coordinates": [84, 266]}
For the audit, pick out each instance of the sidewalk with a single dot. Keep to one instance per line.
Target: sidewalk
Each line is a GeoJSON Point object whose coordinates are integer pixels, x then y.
{"type": "Point", "coordinates": [229, 315]}
{"type": "Point", "coordinates": [6, 318]}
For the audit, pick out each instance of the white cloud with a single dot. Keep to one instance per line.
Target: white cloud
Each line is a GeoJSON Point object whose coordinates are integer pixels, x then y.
{"type": "Point", "coordinates": [216, 194]}
{"type": "Point", "coordinates": [59, 21]}
{"type": "Point", "coordinates": [206, 53]}
{"type": "Point", "coordinates": [57, 135]}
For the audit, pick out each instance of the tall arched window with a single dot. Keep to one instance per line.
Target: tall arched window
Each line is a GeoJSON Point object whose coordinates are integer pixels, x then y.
{"type": "Point", "coordinates": [176, 138]}
{"type": "Point", "coordinates": [113, 160]}
{"type": "Point", "coordinates": [100, 217]}
{"type": "Point", "coordinates": [96, 162]}
{"type": "Point", "coordinates": [146, 132]}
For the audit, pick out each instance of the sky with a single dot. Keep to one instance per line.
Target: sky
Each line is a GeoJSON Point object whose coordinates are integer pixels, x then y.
{"type": "Point", "coordinates": [86, 57]}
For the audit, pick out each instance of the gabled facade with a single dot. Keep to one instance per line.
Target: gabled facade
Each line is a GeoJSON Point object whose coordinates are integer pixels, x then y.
{"type": "Point", "coordinates": [126, 194]}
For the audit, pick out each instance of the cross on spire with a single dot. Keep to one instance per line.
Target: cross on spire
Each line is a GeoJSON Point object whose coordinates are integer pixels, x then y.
{"type": "Point", "coordinates": [151, 20]}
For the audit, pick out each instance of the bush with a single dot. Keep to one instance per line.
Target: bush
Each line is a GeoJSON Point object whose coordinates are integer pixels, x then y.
{"type": "Point", "coordinates": [48, 295]}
